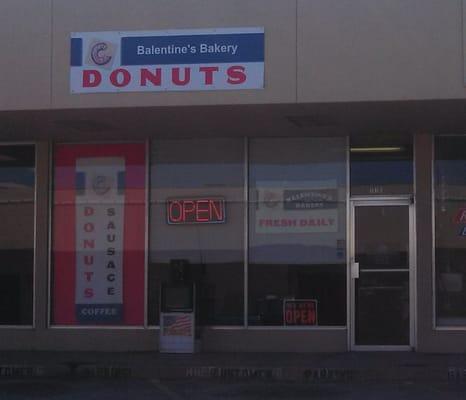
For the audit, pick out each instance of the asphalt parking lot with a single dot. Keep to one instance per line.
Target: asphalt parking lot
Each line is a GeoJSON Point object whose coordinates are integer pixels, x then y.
{"type": "Point", "coordinates": [103, 389]}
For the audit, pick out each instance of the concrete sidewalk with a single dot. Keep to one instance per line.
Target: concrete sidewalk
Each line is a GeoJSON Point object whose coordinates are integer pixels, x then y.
{"type": "Point", "coordinates": [304, 367]}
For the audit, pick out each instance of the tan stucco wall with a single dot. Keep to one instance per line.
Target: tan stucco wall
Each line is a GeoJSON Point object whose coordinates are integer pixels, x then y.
{"type": "Point", "coordinates": [25, 54]}
{"type": "Point", "coordinates": [358, 50]}
{"type": "Point", "coordinates": [316, 50]}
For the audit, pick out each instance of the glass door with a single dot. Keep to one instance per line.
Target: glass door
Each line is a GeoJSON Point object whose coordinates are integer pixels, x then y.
{"type": "Point", "coordinates": [381, 274]}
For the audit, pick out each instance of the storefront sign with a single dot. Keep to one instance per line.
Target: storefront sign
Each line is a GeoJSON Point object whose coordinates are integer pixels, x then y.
{"type": "Point", "coordinates": [175, 60]}
{"type": "Point", "coordinates": [99, 234]}
{"type": "Point", "coordinates": [196, 211]}
{"type": "Point", "coordinates": [300, 312]}
{"type": "Point", "coordinates": [311, 208]}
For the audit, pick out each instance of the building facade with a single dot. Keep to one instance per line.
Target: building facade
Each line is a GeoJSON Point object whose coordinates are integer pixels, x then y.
{"type": "Point", "coordinates": [302, 163]}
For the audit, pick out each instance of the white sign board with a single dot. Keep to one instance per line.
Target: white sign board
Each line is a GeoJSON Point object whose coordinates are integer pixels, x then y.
{"type": "Point", "coordinates": [174, 60]}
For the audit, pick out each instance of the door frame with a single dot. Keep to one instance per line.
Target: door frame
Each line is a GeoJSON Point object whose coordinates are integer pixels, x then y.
{"type": "Point", "coordinates": [383, 201]}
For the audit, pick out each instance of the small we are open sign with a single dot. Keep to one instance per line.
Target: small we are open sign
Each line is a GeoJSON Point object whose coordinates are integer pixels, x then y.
{"type": "Point", "coordinates": [300, 312]}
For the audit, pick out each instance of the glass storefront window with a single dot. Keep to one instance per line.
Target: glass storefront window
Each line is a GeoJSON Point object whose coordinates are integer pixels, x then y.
{"type": "Point", "coordinates": [17, 205]}
{"type": "Point", "coordinates": [197, 225]}
{"type": "Point", "coordinates": [450, 230]}
{"type": "Point", "coordinates": [297, 232]}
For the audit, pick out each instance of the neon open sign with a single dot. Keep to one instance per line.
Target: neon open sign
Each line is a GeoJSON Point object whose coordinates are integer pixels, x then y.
{"type": "Point", "coordinates": [196, 211]}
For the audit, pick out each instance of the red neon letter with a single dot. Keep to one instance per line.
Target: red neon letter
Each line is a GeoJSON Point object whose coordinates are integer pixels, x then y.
{"type": "Point", "coordinates": [172, 216]}
{"type": "Point", "coordinates": [155, 79]}
{"type": "Point", "coordinates": [91, 78]}
{"type": "Point", "coordinates": [125, 77]}
{"type": "Point", "coordinates": [189, 207]}
{"type": "Point", "coordinates": [288, 316]}
{"type": "Point", "coordinates": [176, 76]}
{"type": "Point", "coordinates": [205, 211]}
{"type": "Point", "coordinates": [216, 207]}
{"type": "Point", "coordinates": [209, 74]}
{"type": "Point", "coordinates": [236, 75]}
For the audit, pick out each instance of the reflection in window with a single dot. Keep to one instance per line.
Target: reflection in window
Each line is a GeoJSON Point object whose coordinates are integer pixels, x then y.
{"type": "Point", "coordinates": [450, 230]}
{"type": "Point", "coordinates": [17, 188]}
{"type": "Point", "coordinates": [297, 229]}
{"type": "Point", "coordinates": [197, 225]}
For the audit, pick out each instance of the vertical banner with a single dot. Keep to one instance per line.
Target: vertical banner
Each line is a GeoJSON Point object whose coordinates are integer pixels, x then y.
{"type": "Point", "coordinates": [99, 234]}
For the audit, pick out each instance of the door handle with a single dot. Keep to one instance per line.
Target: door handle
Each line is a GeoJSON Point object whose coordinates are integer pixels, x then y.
{"type": "Point", "coordinates": [355, 270]}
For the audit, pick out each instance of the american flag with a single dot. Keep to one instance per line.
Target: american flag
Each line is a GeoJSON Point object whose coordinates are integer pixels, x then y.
{"type": "Point", "coordinates": [177, 325]}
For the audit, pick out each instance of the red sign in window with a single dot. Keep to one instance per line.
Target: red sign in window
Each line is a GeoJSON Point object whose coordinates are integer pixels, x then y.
{"type": "Point", "coordinates": [300, 312]}
{"type": "Point", "coordinates": [196, 211]}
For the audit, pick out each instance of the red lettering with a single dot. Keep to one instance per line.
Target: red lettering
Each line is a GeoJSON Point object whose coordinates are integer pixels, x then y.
{"type": "Point", "coordinates": [88, 211]}
{"type": "Point", "coordinates": [209, 74]}
{"type": "Point", "coordinates": [289, 316]}
{"type": "Point", "coordinates": [120, 77]}
{"type": "Point", "coordinates": [154, 78]}
{"type": "Point", "coordinates": [88, 260]}
{"type": "Point", "coordinates": [216, 210]}
{"type": "Point", "coordinates": [304, 317]}
{"type": "Point", "coordinates": [188, 208]}
{"type": "Point", "coordinates": [460, 216]}
{"type": "Point", "coordinates": [88, 293]}
{"type": "Point", "coordinates": [91, 78]}
{"type": "Point", "coordinates": [176, 76]}
{"type": "Point", "coordinates": [196, 210]}
{"type": "Point", "coordinates": [89, 244]}
{"type": "Point", "coordinates": [88, 276]}
{"type": "Point", "coordinates": [172, 215]}
{"type": "Point", "coordinates": [236, 75]}
{"type": "Point", "coordinates": [200, 211]}
{"type": "Point", "coordinates": [89, 227]}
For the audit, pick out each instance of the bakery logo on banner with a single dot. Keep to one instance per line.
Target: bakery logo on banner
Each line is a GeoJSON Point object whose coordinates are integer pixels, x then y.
{"type": "Point", "coordinates": [100, 204]}
{"type": "Point", "coordinates": [101, 53]}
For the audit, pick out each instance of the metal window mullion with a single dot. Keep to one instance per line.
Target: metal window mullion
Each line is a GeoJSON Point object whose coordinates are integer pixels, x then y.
{"type": "Point", "coordinates": [246, 232]}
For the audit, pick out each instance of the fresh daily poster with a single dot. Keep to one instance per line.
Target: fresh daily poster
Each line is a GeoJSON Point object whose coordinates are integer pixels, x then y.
{"type": "Point", "coordinates": [99, 234]}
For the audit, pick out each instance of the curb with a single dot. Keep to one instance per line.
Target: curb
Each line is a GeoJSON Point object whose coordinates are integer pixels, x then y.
{"type": "Point", "coordinates": [419, 373]}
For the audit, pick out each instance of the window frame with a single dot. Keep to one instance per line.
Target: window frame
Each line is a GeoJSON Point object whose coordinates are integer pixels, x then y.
{"type": "Point", "coordinates": [435, 325]}
{"type": "Point", "coordinates": [34, 263]}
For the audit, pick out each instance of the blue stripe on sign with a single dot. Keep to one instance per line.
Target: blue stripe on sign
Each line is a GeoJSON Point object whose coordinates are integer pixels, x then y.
{"type": "Point", "coordinates": [76, 52]}
{"type": "Point", "coordinates": [99, 313]}
{"type": "Point", "coordinates": [80, 183]}
{"type": "Point", "coordinates": [188, 49]}
{"type": "Point", "coordinates": [121, 183]}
